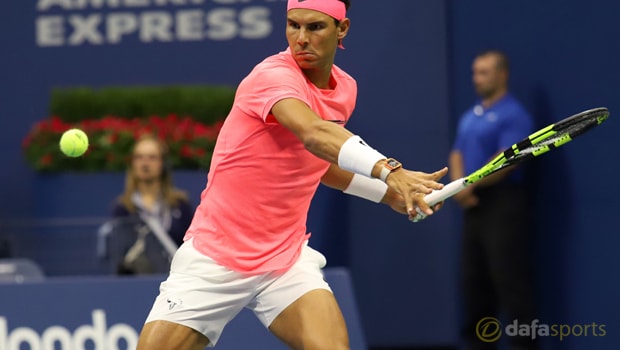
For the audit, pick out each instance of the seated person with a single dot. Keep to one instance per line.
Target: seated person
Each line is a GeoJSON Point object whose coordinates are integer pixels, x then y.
{"type": "Point", "coordinates": [151, 214]}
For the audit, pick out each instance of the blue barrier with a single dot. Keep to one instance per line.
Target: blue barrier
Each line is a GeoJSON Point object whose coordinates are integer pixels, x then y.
{"type": "Point", "coordinates": [107, 314]}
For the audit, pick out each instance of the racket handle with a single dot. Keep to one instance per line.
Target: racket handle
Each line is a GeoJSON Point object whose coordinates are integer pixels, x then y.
{"type": "Point", "coordinates": [435, 197]}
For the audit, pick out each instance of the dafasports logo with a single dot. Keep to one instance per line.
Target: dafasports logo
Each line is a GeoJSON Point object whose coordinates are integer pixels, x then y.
{"type": "Point", "coordinates": [96, 336]}
{"type": "Point", "coordinates": [490, 329]}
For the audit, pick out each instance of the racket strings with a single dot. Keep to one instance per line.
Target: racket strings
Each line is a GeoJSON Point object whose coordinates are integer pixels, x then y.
{"type": "Point", "coordinates": [546, 144]}
{"type": "Point", "coordinates": [542, 141]}
{"type": "Point", "coordinates": [556, 138]}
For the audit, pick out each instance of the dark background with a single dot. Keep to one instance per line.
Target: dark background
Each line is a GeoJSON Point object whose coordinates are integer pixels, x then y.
{"type": "Point", "coordinates": [412, 62]}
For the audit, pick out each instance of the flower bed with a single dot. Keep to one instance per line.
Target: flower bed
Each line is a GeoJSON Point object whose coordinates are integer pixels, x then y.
{"type": "Point", "coordinates": [111, 139]}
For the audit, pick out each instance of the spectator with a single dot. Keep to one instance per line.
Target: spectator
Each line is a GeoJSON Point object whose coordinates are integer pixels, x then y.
{"type": "Point", "coordinates": [496, 249]}
{"type": "Point", "coordinates": [152, 215]}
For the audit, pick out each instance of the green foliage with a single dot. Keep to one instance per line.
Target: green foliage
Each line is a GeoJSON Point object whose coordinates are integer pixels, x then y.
{"type": "Point", "coordinates": [203, 103]}
{"type": "Point", "coordinates": [186, 118]}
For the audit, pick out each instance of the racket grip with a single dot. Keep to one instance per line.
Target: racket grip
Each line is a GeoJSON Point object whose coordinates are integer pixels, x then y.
{"type": "Point", "coordinates": [435, 197]}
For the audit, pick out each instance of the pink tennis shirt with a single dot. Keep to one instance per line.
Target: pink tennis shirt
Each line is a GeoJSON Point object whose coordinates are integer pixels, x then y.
{"type": "Point", "coordinates": [253, 210]}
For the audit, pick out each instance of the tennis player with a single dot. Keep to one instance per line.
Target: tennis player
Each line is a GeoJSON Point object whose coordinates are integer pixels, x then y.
{"type": "Point", "coordinates": [247, 244]}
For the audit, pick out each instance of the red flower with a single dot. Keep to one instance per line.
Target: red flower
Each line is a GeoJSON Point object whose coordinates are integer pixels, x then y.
{"type": "Point", "coordinates": [186, 151]}
{"type": "Point", "coordinates": [200, 152]}
{"type": "Point", "coordinates": [111, 139]}
{"type": "Point", "coordinates": [45, 160]}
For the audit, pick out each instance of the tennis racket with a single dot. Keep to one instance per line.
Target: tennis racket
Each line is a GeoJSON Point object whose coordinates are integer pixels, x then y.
{"type": "Point", "coordinates": [540, 142]}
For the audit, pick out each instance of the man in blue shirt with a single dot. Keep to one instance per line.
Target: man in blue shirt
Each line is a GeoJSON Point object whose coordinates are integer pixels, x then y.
{"type": "Point", "coordinates": [495, 253]}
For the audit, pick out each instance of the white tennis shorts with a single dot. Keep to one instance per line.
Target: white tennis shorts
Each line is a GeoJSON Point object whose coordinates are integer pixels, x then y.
{"type": "Point", "coordinates": [205, 296]}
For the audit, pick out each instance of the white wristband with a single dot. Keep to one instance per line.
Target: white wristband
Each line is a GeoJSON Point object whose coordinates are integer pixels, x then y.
{"type": "Point", "coordinates": [357, 157]}
{"type": "Point", "coordinates": [367, 188]}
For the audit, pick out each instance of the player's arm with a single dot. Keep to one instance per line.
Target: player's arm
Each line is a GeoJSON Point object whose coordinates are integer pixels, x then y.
{"type": "Point", "coordinates": [371, 189]}
{"type": "Point", "coordinates": [339, 146]}
{"type": "Point", "coordinates": [321, 138]}
{"type": "Point", "coordinates": [337, 178]}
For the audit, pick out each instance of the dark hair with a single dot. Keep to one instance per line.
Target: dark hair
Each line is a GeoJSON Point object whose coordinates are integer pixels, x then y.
{"type": "Point", "coordinates": [502, 59]}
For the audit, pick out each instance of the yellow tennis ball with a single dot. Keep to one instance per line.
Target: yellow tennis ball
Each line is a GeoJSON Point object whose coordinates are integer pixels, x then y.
{"type": "Point", "coordinates": [74, 142]}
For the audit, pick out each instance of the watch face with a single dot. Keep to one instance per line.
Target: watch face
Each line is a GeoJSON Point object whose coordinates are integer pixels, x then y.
{"type": "Point", "coordinates": [392, 162]}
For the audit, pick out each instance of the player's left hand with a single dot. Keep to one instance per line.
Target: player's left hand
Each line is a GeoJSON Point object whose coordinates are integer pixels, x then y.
{"type": "Point", "coordinates": [413, 186]}
{"type": "Point", "coordinates": [419, 216]}
{"type": "Point", "coordinates": [397, 202]}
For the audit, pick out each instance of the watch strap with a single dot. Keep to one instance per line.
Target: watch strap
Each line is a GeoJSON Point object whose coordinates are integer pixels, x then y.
{"type": "Point", "coordinates": [384, 173]}
{"type": "Point", "coordinates": [389, 166]}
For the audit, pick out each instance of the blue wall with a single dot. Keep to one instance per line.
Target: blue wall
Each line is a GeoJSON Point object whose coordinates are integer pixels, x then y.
{"type": "Point", "coordinates": [404, 272]}
{"type": "Point", "coordinates": [412, 62]}
{"type": "Point", "coordinates": [564, 59]}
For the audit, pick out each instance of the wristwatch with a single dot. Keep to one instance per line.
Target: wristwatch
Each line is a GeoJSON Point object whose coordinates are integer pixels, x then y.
{"type": "Point", "coordinates": [389, 166]}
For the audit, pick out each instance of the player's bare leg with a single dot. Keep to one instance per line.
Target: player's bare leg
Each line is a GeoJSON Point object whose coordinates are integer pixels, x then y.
{"type": "Point", "coordinates": [164, 335]}
{"type": "Point", "coordinates": [314, 321]}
